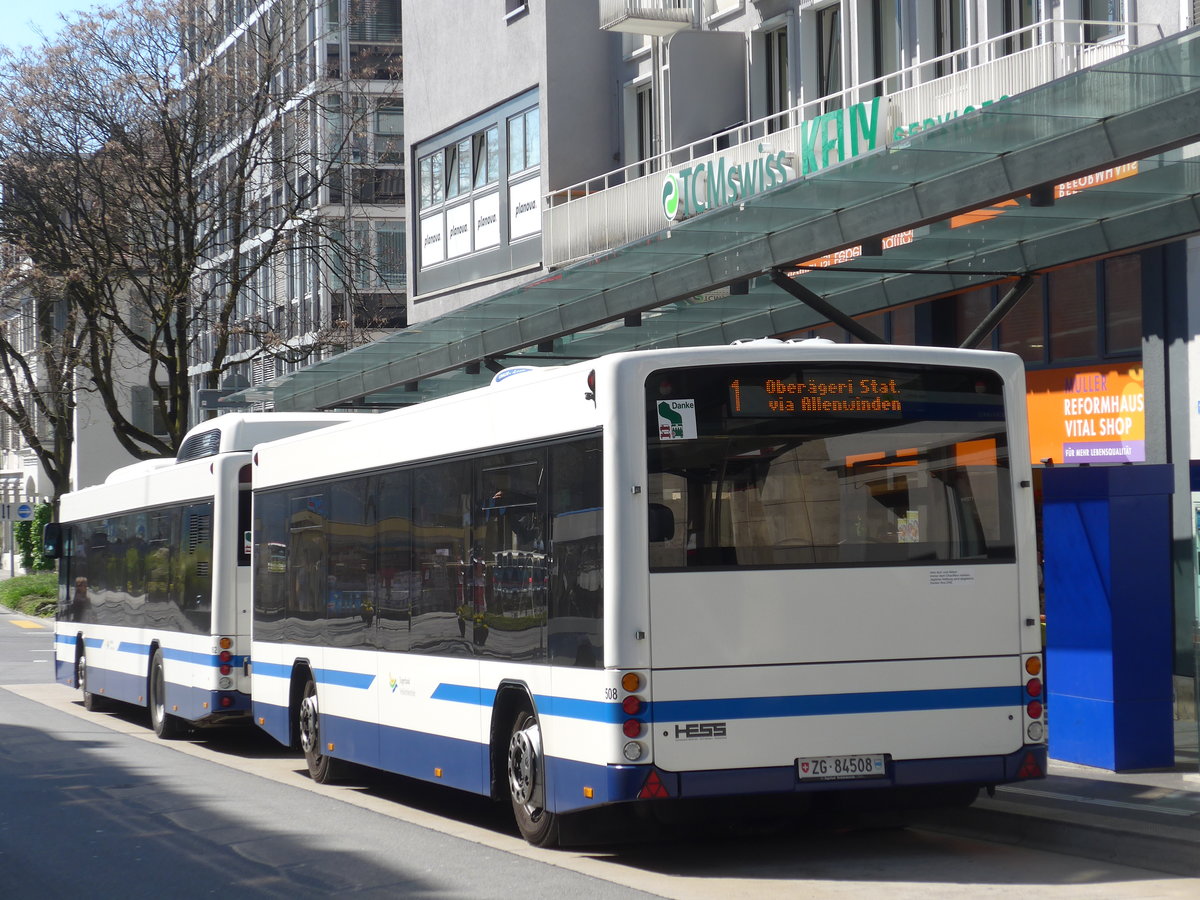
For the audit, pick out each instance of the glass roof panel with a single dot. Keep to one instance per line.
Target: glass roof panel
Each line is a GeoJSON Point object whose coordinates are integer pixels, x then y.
{"type": "Point", "coordinates": [991, 242]}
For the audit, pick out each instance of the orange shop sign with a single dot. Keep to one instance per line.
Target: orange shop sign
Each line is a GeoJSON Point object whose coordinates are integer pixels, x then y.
{"type": "Point", "coordinates": [1092, 414]}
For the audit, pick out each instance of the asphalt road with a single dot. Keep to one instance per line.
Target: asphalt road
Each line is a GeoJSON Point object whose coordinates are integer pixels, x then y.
{"type": "Point", "coordinates": [94, 805]}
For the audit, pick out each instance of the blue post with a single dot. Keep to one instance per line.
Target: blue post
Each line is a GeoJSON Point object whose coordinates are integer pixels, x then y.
{"type": "Point", "coordinates": [1107, 551]}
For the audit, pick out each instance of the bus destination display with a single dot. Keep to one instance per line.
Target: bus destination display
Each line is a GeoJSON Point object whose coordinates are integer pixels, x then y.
{"type": "Point", "coordinates": [813, 394]}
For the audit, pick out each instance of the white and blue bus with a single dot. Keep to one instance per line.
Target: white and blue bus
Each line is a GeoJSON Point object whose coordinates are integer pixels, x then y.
{"type": "Point", "coordinates": [154, 577]}
{"type": "Point", "coordinates": [801, 569]}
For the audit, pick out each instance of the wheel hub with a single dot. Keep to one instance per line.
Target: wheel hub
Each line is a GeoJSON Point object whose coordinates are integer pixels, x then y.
{"type": "Point", "coordinates": [523, 751]}
{"type": "Point", "coordinates": [308, 724]}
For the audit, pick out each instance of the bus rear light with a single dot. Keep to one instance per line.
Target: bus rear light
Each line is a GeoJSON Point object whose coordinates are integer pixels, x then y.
{"type": "Point", "coordinates": [225, 702]}
{"type": "Point", "coordinates": [225, 670]}
{"type": "Point", "coordinates": [632, 705]}
{"type": "Point", "coordinates": [1034, 709]}
{"type": "Point", "coordinates": [1036, 732]}
{"type": "Point", "coordinates": [633, 751]}
{"type": "Point", "coordinates": [225, 657]}
{"type": "Point", "coordinates": [226, 643]}
{"type": "Point", "coordinates": [1033, 687]}
{"type": "Point", "coordinates": [1033, 665]}
{"type": "Point", "coordinates": [631, 681]}
{"type": "Point", "coordinates": [632, 728]}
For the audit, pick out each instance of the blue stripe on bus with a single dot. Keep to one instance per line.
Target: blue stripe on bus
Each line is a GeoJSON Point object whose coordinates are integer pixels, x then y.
{"type": "Point", "coordinates": [757, 707]}
{"type": "Point", "coordinates": [836, 704]}
{"type": "Point", "coordinates": [336, 677]}
{"type": "Point", "coordinates": [271, 670]}
{"type": "Point", "coordinates": [566, 707]}
{"type": "Point", "coordinates": [343, 679]}
{"type": "Point", "coordinates": [187, 656]}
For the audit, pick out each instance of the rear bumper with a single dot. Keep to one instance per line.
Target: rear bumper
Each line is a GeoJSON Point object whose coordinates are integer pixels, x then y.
{"type": "Point", "coordinates": [625, 783]}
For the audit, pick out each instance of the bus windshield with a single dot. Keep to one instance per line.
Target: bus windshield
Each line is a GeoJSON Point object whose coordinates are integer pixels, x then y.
{"type": "Point", "coordinates": [827, 464]}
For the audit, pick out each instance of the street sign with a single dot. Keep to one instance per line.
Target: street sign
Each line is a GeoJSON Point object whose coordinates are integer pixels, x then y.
{"type": "Point", "coordinates": [16, 512]}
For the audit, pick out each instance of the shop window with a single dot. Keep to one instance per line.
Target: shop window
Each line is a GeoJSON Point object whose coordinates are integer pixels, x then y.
{"type": "Point", "coordinates": [1123, 304]}
{"type": "Point", "coordinates": [903, 325]}
{"type": "Point", "coordinates": [969, 310]}
{"type": "Point", "coordinates": [1023, 330]}
{"type": "Point", "coordinates": [1073, 320]}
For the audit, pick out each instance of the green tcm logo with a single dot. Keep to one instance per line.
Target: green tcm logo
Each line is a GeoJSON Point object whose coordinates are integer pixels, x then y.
{"type": "Point", "coordinates": [670, 197]}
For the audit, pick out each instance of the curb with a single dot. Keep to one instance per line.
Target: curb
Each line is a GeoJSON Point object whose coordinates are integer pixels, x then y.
{"type": "Point", "coordinates": [1161, 848]}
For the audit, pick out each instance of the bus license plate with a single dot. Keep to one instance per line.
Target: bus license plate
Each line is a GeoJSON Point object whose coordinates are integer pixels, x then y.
{"type": "Point", "coordinates": [825, 768]}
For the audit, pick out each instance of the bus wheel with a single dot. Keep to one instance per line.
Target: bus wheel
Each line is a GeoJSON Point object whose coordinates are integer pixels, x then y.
{"type": "Point", "coordinates": [323, 769]}
{"type": "Point", "coordinates": [166, 726]}
{"type": "Point", "coordinates": [526, 782]}
{"type": "Point", "coordinates": [91, 702]}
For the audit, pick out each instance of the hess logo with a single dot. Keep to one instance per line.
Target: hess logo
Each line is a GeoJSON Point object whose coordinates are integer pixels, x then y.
{"type": "Point", "coordinates": [694, 730]}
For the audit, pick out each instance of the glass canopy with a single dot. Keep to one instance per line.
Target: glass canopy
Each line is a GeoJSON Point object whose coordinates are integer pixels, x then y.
{"type": "Point", "coordinates": [1096, 163]}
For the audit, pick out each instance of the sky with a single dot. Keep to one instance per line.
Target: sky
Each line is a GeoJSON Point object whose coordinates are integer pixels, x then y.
{"type": "Point", "coordinates": [19, 19]}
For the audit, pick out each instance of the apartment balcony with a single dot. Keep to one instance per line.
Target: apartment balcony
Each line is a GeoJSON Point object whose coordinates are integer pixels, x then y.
{"type": "Point", "coordinates": [659, 18]}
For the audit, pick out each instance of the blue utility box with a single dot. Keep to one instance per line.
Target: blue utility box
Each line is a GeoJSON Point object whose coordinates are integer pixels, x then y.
{"type": "Point", "coordinates": [1107, 573]}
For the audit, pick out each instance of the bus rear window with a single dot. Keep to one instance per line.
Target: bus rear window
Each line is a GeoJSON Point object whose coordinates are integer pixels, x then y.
{"type": "Point", "coordinates": [827, 465]}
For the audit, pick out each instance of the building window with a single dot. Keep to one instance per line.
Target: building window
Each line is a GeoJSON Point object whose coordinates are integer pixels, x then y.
{"type": "Point", "coordinates": [458, 169]}
{"type": "Point", "coordinates": [950, 34]}
{"type": "Point", "coordinates": [644, 130]}
{"type": "Point", "coordinates": [485, 149]}
{"type": "Point", "coordinates": [1019, 14]}
{"type": "Point", "coordinates": [885, 44]}
{"type": "Point", "coordinates": [389, 135]}
{"type": "Point", "coordinates": [779, 95]}
{"type": "Point", "coordinates": [389, 254]}
{"type": "Point", "coordinates": [829, 54]}
{"type": "Point", "coordinates": [432, 173]}
{"type": "Point", "coordinates": [1104, 17]}
{"type": "Point", "coordinates": [524, 141]}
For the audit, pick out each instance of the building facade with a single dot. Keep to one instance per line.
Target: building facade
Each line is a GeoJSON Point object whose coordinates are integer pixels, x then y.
{"type": "Point", "coordinates": [315, 263]}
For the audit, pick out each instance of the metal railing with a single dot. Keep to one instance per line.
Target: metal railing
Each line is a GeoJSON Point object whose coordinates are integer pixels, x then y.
{"type": "Point", "coordinates": [626, 204]}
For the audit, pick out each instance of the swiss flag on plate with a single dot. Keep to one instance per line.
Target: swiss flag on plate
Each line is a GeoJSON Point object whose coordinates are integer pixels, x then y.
{"type": "Point", "coordinates": [804, 767]}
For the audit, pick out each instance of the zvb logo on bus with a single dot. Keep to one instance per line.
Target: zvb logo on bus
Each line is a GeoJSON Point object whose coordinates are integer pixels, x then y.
{"type": "Point", "coordinates": [694, 730]}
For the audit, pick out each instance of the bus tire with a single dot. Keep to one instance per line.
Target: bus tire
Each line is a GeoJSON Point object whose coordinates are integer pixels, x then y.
{"type": "Point", "coordinates": [322, 768]}
{"type": "Point", "coordinates": [165, 725]}
{"type": "Point", "coordinates": [91, 702]}
{"type": "Point", "coordinates": [526, 781]}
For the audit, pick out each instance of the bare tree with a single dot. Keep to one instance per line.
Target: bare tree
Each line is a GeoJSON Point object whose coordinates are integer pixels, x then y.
{"type": "Point", "coordinates": [172, 166]}
{"type": "Point", "coordinates": [40, 347]}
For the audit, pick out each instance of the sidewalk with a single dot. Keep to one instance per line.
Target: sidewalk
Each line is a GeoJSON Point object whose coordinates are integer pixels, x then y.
{"type": "Point", "coordinates": [1148, 819]}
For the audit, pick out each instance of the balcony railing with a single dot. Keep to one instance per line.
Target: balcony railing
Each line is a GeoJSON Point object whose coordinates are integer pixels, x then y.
{"type": "Point", "coordinates": [658, 17]}
{"type": "Point", "coordinates": [627, 204]}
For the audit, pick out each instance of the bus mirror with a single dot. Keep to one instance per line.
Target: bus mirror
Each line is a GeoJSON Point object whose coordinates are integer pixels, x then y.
{"type": "Point", "coordinates": [662, 523]}
{"type": "Point", "coordinates": [52, 536]}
